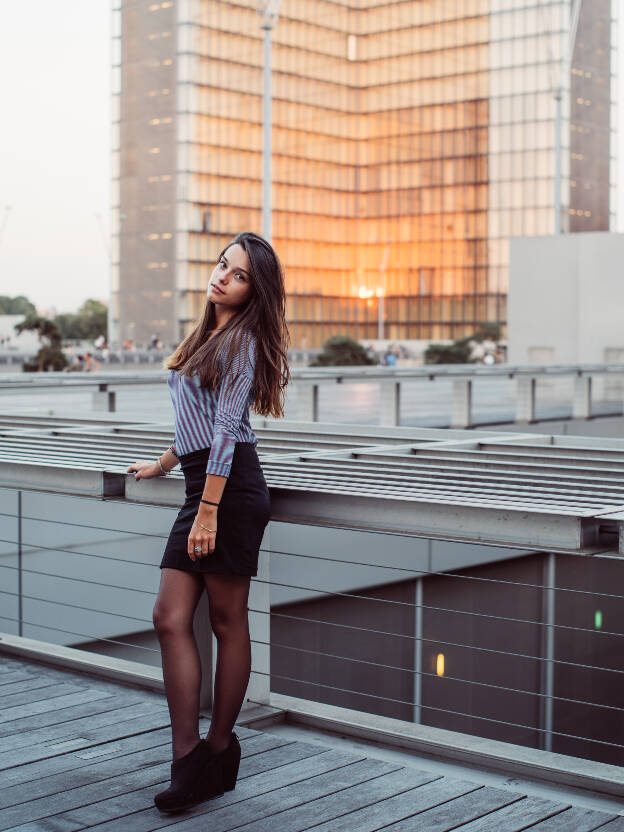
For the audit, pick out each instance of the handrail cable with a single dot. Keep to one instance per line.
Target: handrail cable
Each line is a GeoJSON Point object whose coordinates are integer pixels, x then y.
{"type": "Point", "coordinates": [438, 641]}
{"type": "Point", "coordinates": [342, 690]}
{"type": "Point", "coordinates": [336, 594]}
{"type": "Point", "coordinates": [332, 655]}
{"type": "Point", "coordinates": [83, 635]}
{"type": "Point", "coordinates": [435, 676]}
{"type": "Point", "coordinates": [443, 710]}
{"type": "Point", "coordinates": [412, 571]}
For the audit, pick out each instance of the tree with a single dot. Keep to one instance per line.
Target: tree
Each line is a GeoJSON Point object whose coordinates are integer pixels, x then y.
{"type": "Point", "coordinates": [50, 356]}
{"type": "Point", "coordinates": [341, 350]}
{"type": "Point", "coordinates": [86, 324]}
{"type": "Point", "coordinates": [456, 353]}
{"type": "Point", "coordinates": [19, 305]}
{"type": "Point", "coordinates": [96, 313]}
{"type": "Point", "coordinates": [460, 350]}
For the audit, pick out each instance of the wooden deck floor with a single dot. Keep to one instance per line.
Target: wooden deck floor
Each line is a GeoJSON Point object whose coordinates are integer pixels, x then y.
{"type": "Point", "coordinates": [81, 753]}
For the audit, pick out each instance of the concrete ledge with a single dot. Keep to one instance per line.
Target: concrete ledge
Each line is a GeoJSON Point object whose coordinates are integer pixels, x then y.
{"type": "Point", "coordinates": [92, 664]}
{"type": "Point", "coordinates": [260, 716]}
{"type": "Point", "coordinates": [121, 671]}
{"type": "Point", "coordinates": [451, 746]}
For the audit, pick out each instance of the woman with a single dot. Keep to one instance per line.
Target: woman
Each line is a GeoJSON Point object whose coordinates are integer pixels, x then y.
{"type": "Point", "coordinates": [235, 357]}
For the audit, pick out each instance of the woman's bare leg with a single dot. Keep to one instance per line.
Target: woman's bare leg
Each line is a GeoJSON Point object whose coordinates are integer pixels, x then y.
{"type": "Point", "coordinates": [228, 596]}
{"type": "Point", "coordinates": [178, 596]}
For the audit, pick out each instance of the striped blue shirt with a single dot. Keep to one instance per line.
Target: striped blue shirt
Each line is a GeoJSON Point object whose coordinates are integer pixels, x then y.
{"type": "Point", "coordinates": [212, 419]}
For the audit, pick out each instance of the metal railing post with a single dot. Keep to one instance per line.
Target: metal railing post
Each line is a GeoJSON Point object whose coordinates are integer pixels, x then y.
{"type": "Point", "coordinates": [462, 403]}
{"type": "Point", "coordinates": [20, 610]}
{"type": "Point", "coordinates": [259, 688]}
{"type": "Point", "coordinates": [203, 635]}
{"type": "Point", "coordinates": [582, 405]}
{"type": "Point", "coordinates": [307, 402]}
{"type": "Point", "coordinates": [525, 403]}
{"type": "Point", "coordinates": [104, 399]}
{"type": "Point", "coordinates": [418, 636]}
{"type": "Point", "coordinates": [389, 402]}
{"type": "Point", "coordinates": [549, 649]}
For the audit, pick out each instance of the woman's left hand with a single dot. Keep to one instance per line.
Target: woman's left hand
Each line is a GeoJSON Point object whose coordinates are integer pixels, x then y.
{"type": "Point", "coordinates": [200, 536]}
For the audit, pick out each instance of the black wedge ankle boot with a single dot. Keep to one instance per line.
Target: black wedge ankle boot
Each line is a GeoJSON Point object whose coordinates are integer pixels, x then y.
{"type": "Point", "coordinates": [195, 777]}
{"type": "Point", "coordinates": [229, 761]}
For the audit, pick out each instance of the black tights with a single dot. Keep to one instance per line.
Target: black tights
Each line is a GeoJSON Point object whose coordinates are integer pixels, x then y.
{"type": "Point", "coordinates": [178, 597]}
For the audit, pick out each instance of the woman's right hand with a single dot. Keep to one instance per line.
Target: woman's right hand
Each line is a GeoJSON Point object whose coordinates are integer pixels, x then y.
{"type": "Point", "coordinates": [144, 470]}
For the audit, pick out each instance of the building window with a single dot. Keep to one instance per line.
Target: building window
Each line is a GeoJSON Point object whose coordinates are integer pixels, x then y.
{"type": "Point", "coordinates": [351, 48]}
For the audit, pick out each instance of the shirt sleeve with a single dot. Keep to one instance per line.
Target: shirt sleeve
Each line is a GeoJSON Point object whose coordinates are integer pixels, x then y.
{"type": "Point", "coordinates": [232, 405]}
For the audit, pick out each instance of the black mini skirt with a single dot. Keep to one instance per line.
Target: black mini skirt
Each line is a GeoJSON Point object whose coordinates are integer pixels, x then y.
{"type": "Point", "coordinates": [242, 516]}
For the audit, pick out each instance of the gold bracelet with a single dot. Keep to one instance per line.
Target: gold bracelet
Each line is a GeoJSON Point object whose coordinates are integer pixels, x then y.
{"type": "Point", "coordinates": [206, 527]}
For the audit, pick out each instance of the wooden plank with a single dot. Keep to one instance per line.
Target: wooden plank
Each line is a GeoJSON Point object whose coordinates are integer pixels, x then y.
{"type": "Point", "coordinates": [52, 781]}
{"type": "Point", "coordinates": [66, 766]}
{"type": "Point", "coordinates": [10, 715]}
{"type": "Point", "coordinates": [31, 683]}
{"type": "Point", "coordinates": [47, 694]}
{"type": "Point", "coordinates": [78, 794]}
{"type": "Point", "coordinates": [8, 676]}
{"type": "Point", "coordinates": [342, 798]}
{"type": "Point", "coordinates": [47, 825]}
{"type": "Point", "coordinates": [266, 810]}
{"type": "Point", "coordinates": [94, 702]}
{"type": "Point", "coordinates": [575, 819]}
{"type": "Point", "coordinates": [9, 662]}
{"type": "Point", "coordinates": [454, 813]}
{"type": "Point", "coordinates": [517, 816]}
{"type": "Point", "coordinates": [259, 744]}
{"type": "Point", "coordinates": [135, 811]}
{"type": "Point", "coordinates": [83, 679]}
{"type": "Point", "coordinates": [82, 725]}
{"type": "Point", "coordinates": [616, 825]}
{"type": "Point", "coordinates": [77, 740]}
{"type": "Point", "coordinates": [397, 808]}
{"type": "Point", "coordinates": [291, 752]}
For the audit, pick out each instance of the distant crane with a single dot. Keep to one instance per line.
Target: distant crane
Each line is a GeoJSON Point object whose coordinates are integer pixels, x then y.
{"type": "Point", "coordinates": [5, 219]}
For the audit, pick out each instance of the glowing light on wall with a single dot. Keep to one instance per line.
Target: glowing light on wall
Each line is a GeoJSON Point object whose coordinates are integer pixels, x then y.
{"type": "Point", "coordinates": [364, 292]}
{"type": "Point", "coordinates": [440, 664]}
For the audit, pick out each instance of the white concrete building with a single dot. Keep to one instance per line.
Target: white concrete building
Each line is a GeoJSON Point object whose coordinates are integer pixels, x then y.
{"type": "Point", "coordinates": [566, 299]}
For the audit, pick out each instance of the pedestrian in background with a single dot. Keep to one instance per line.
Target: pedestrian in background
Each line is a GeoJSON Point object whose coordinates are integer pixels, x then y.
{"type": "Point", "coordinates": [234, 358]}
{"type": "Point", "coordinates": [91, 363]}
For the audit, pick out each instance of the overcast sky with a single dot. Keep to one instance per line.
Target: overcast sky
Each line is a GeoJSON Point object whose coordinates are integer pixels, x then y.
{"type": "Point", "coordinates": [55, 150]}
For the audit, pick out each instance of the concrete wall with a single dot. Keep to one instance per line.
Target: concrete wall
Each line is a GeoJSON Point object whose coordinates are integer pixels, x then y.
{"type": "Point", "coordinates": [26, 341]}
{"type": "Point", "coordinates": [566, 297]}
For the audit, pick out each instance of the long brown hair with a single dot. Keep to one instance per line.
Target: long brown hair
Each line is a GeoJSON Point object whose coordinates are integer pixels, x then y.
{"type": "Point", "coordinates": [262, 315]}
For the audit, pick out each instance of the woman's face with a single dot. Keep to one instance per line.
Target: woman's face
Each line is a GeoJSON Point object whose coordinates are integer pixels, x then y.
{"type": "Point", "coordinates": [230, 282]}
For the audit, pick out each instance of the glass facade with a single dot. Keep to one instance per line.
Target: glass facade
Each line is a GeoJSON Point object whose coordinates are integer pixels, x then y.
{"type": "Point", "coordinates": [410, 141]}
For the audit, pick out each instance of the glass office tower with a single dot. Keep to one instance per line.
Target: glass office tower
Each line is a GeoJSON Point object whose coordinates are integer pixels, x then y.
{"type": "Point", "coordinates": [410, 141]}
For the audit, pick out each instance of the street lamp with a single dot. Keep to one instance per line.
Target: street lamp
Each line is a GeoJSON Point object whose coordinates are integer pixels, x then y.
{"type": "Point", "coordinates": [380, 293]}
{"type": "Point", "coordinates": [269, 10]}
